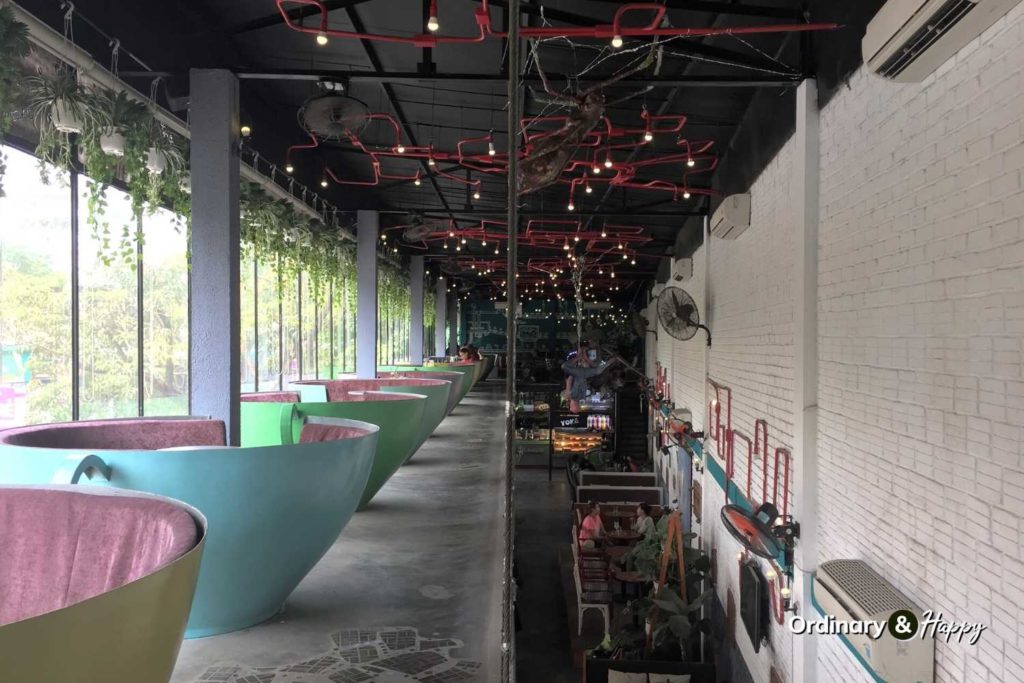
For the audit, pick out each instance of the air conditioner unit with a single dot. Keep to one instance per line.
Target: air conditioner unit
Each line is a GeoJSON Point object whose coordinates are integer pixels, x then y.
{"type": "Point", "coordinates": [732, 217]}
{"type": "Point", "coordinates": [682, 269]}
{"type": "Point", "coordinates": [908, 39]}
{"type": "Point", "coordinates": [850, 590]}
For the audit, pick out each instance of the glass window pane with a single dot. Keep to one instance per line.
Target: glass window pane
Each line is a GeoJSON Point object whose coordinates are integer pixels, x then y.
{"type": "Point", "coordinates": [247, 322]}
{"type": "Point", "coordinates": [164, 315]}
{"type": "Point", "coordinates": [344, 323]}
{"type": "Point", "coordinates": [108, 324]}
{"type": "Point", "coordinates": [326, 339]}
{"type": "Point", "coordinates": [269, 331]}
{"type": "Point", "coordinates": [35, 295]}
{"type": "Point", "coordinates": [309, 329]}
{"type": "Point", "coordinates": [290, 321]}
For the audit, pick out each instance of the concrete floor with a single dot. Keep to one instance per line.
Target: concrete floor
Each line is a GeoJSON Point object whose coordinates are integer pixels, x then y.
{"type": "Point", "coordinates": [420, 566]}
{"type": "Point", "coordinates": [542, 525]}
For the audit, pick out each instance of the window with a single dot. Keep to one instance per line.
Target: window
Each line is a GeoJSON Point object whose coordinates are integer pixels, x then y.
{"type": "Point", "coordinates": [247, 322]}
{"type": "Point", "coordinates": [290, 326]}
{"type": "Point", "coordinates": [109, 315]}
{"type": "Point", "coordinates": [345, 324]}
{"type": "Point", "coordinates": [165, 315]}
{"type": "Point", "coordinates": [309, 328]}
{"type": "Point", "coordinates": [269, 327]}
{"type": "Point", "coordinates": [35, 296]}
{"type": "Point", "coordinates": [326, 343]}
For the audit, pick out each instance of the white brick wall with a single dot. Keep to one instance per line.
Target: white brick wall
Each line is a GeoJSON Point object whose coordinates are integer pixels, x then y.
{"type": "Point", "coordinates": [921, 310]}
{"type": "Point", "coordinates": [921, 321]}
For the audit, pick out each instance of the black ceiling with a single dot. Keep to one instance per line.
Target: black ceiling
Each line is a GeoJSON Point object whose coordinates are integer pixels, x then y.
{"type": "Point", "coordinates": [736, 91]}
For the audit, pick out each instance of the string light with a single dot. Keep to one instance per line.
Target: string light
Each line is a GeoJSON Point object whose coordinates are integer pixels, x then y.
{"type": "Point", "coordinates": [490, 148]}
{"type": "Point", "coordinates": [433, 25]}
{"type": "Point", "coordinates": [323, 182]}
{"type": "Point", "coordinates": [616, 41]}
{"type": "Point", "coordinates": [417, 182]}
{"type": "Point", "coordinates": [576, 238]}
{"type": "Point", "coordinates": [690, 162]}
{"type": "Point", "coordinates": [686, 194]}
{"type": "Point", "coordinates": [608, 163]}
{"type": "Point", "coordinates": [648, 135]}
{"type": "Point", "coordinates": [571, 207]}
{"type": "Point", "coordinates": [400, 149]}
{"type": "Point", "coordinates": [321, 38]}
{"type": "Point", "coordinates": [288, 168]}
{"type": "Point", "coordinates": [588, 188]}
{"type": "Point", "coordinates": [430, 161]}
{"type": "Point", "coordinates": [476, 194]}
{"type": "Point", "coordinates": [604, 233]}
{"type": "Point", "coordinates": [596, 169]}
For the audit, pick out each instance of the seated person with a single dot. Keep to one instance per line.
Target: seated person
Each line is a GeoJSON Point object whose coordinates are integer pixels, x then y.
{"type": "Point", "coordinates": [468, 353]}
{"type": "Point", "coordinates": [592, 529]}
{"type": "Point", "coordinates": [643, 524]}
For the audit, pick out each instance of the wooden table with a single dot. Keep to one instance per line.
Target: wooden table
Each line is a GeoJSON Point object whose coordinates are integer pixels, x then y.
{"type": "Point", "coordinates": [616, 553]}
{"type": "Point", "coordinates": [632, 578]}
{"type": "Point", "coordinates": [624, 536]}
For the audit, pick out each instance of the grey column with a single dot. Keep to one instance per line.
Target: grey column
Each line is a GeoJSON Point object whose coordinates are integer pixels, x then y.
{"type": "Point", "coordinates": [214, 347]}
{"type": "Point", "coordinates": [441, 317]}
{"type": "Point", "coordinates": [453, 316]}
{"type": "Point", "coordinates": [367, 224]}
{"type": "Point", "coordinates": [416, 309]}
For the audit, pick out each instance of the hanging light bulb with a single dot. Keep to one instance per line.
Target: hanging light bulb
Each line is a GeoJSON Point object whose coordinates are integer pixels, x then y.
{"type": "Point", "coordinates": [476, 194]}
{"type": "Point", "coordinates": [571, 207]}
{"type": "Point", "coordinates": [400, 149]}
{"type": "Point", "coordinates": [648, 135]}
{"type": "Point", "coordinates": [686, 194]}
{"type": "Point", "coordinates": [463, 240]}
{"type": "Point", "coordinates": [430, 161]}
{"type": "Point", "coordinates": [616, 41]}
{"type": "Point", "coordinates": [321, 38]}
{"type": "Point", "coordinates": [624, 256]}
{"type": "Point", "coordinates": [566, 245]}
{"type": "Point", "coordinates": [433, 25]}
{"type": "Point", "coordinates": [613, 273]}
{"type": "Point", "coordinates": [451, 233]}
{"type": "Point", "coordinates": [690, 162]}
{"type": "Point", "coordinates": [608, 163]}
{"type": "Point", "coordinates": [632, 261]}
{"type": "Point", "coordinates": [620, 245]}
{"type": "Point", "coordinates": [483, 243]}
{"type": "Point", "coordinates": [446, 244]}
{"type": "Point", "coordinates": [596, 169]}
{"type": "Point", "coordinates": [604, 233]}
{"type": "Point", "coordinates": [288, 168]}
{"type": "Point", "coordinates": [588, 188]}
{"type": "Point", "coordinates": [575, 238]}
{"type": "Point", "coordinates": [323, 182]}
{"type": "Point", "coordinates": [490, 148]}
{"type": "Point", "coordinates": [417, 182]}
{"type": "Point", "coordinates": [458, 247]}
{"type": "Point", "coordinates": [496, 251]}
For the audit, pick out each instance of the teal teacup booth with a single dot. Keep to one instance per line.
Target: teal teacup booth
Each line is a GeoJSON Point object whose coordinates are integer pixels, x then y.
{"type": "Point", "coordinates": [273, 511]}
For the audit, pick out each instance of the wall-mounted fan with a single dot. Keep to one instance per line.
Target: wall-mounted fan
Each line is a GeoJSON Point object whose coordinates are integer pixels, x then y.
{"type": "Point", "coordinates": [758, 531]}
{"type": "Point", "coordinates": [332, 115]}
{"type": "Point", "coordinates": [678, 314]}
{"type": "Point", "coordinates": [417, 230]}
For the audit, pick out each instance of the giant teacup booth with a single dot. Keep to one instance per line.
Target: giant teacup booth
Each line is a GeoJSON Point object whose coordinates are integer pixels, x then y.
{"type": "Point", "coordinates": [273, 510]}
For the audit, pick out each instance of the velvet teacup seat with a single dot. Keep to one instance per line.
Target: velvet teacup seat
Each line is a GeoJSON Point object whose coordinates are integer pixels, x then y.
{"type": "Point", "coordinates": [454, 380]}
{"type": "Point", "coordinates": [398, 415]}
{"type": "Point", "coordinates": [97, 583]}
{"type": "Point", "coordinates": [273, 511]}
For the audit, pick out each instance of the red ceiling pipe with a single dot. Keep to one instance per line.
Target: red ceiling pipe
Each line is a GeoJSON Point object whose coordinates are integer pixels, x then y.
{"type": "Point", "coordinates": [483, 20]}
{"type": "Point", "coordinates": [761, 446]}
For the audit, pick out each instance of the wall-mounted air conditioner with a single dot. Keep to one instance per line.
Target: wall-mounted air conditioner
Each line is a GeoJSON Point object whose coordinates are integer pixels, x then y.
{"type": "Point", "coordinates": [850, 590]}
{"type": "Point", "coordinates": [732, 217]}
{"type": "Point", "coordinates": [909, 39]}
{"type": "Point", "coordinates": [682, 269]}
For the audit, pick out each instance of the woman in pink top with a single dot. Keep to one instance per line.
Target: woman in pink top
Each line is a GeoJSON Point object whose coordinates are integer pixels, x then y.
{"type": "Point", "coordinates": [592, 529]}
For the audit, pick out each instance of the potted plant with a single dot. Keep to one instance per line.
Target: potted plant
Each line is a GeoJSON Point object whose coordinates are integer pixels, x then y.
{"type": "Point", "coordinates": [118, 118]}
{"type": "Point", "coordinates": [59, 107]}
{"type": "Point", "coordinates": [13, 48]}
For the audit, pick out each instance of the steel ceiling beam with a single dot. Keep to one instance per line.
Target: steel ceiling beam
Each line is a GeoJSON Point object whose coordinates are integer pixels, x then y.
{"type": "Point", "coordinates": [392, 99]}
{"type": "Point", "coordinates": [531, 213]}
{"type": "Point", "coordinates": [295, 14]}
{"type": "Point", "coordinates": [379, 75]}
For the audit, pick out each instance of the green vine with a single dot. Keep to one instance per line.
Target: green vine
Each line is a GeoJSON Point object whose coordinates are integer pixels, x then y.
{"type": "Point", "coordinates": [273, 232]}
{"type": "Point", "coordinates": [13, 48]}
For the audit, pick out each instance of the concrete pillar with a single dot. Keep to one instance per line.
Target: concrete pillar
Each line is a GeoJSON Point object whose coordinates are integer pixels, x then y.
{"type": "Point", "coordinates": [416, 309]}
{"type": "Point", "coordinates": [214, 346]}
{"type": "Point", "coordinates": [441, 317]}
{"type": "Point", "coordinates": [453, 316]}
{"type": "Point", "coordinates": [367, 228]}
{"type": "Point", "coordinates": [805, 389]}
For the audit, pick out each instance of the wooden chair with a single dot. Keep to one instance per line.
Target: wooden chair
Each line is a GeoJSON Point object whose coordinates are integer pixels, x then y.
{"type": "Point", "coordinates": [600, 600]}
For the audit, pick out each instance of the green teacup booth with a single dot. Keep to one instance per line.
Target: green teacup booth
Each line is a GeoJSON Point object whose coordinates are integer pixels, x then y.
{"type": "Point", "coordinates": [275, 418]}
{"type": "Point", "coordinates": [454, 380]}
{"type": "Point", "coordinates": [470, 371]}
{"type": "Point", "coordinates": [437, 391]}
{"type": "Point", "coordinates": [98, 583]}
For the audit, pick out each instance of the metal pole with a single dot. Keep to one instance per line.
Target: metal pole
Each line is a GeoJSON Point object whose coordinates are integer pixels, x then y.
{"type": "Point", "coordinates": [514, 105]}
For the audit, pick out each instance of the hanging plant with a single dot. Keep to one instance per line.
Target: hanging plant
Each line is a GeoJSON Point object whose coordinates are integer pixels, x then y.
{"type": "Point", "coordinates": [13, 48]}
{"type": "Point", "coordinates": [59, 107]}
{"type": "Point", "coordinates": [273, 232]}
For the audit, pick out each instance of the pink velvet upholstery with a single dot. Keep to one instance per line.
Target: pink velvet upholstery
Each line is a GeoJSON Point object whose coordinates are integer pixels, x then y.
{"type": "Point", "coordinates": [60, 547]}
{"type": "Point", "coordinates": [133, 434]}
{"type": "Point", "coordinates": [339, 393]}
{"type": "Point", "coordinates": [272, 397]}
{"type": "Point", "coordinates": [346, 385]}
{"type": "Point", "coordinates": [313, 432]}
